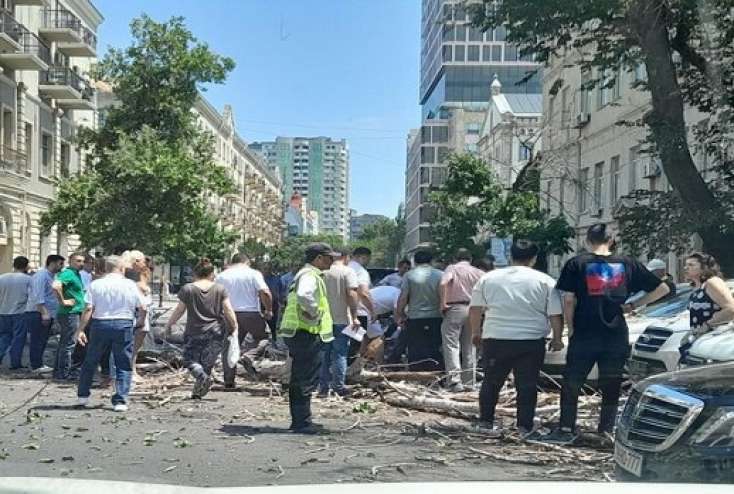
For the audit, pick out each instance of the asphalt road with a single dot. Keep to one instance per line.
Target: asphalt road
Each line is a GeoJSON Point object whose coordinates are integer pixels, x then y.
{"type": "Point", "coordinates": [228, 439]}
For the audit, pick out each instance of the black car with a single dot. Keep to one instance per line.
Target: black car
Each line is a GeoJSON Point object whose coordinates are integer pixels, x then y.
{"type": "Point", "coordinates": [679, 427]}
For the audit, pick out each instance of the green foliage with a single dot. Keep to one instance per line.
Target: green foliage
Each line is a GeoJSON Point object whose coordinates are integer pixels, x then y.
{"type": "Point", "coordinates": [385, 239]}
{"type": "Point", "coordinates": [289, 254]}
{"type": "Point", "coordinates": [149, 167]}
{"type": "Point", "coordinates": [472, 205]}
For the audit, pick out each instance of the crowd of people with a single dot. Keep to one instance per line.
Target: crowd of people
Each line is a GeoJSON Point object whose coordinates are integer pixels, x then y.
{"type": "Point", "coordinates": [330, 315]}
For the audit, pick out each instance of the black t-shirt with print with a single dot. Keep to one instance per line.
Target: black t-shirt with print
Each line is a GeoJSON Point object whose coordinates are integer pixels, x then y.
{"type": "Point", "coordinates": [601, 285]}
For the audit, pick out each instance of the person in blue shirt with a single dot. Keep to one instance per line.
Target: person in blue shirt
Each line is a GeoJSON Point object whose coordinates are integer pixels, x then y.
{"type": "Point", "coordinates": [40, 310]}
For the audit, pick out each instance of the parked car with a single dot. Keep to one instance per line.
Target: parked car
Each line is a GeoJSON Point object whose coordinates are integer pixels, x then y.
{"type": "Point", "coordinates": [712, 348]}
{"type": "Point", "coordinates": [677, 427]}
{"type": "Point", "coordinates": [653, 314]}
{"type": "Point", "coordinates": [656, 350]}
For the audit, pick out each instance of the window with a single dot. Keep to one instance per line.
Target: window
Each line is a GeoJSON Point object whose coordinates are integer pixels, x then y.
{"type": "Point", "coordinates": [449, 33]}
{"type": "Point", "coordinates": [547, 196]}
{"type": "Point", "coordinates": [460, 33]}
{"type": "Point", "coordinates": [428, 154]}
{"type": "Point", "coordinates": [585, 92]}
{"type": "Point", "coordinates": [524, 152]}
{"type": "Point", "coordinates": [440, 134]}
{"type": "Point", "coordinates": [459, 53]}
{"type": "Point", "coordinates": [459, 13]}
{"type": "Point", "coordinates": [489, 35]}
{"type": "Point", "coordinates": [582, 189]}
{"type": "Point", "coordinates": [486, 53]}
{"type": "Point", "coordinates": [617, 87]}
{"type": "Point", "coordinates": [640, 72]}
{"type": "Point", "coordinates": [425, 175]}
{"type": "Point", "coordinates": [614, 186]}
{"type": "Point", "coordinates": [443, 154]}
{"type": "Point", "coordinates": [598, 184]}
{"type": "Point", "coordinates": [447, 53]}
{"type": "Point", "coordinates": [46, 155]}
{"type": "Point", "coordinates": [510, 53]}
{"type": "Point", "coordinates": [633, 165]}
{"type": "Point", "coordinates": [472, 54]}
{"type": "Point", "coordinates": [471, 148]}
{"type": "Point", "coordinates": [472, 128]}
{"type": "Point", "coordinates": [496, 53]}
{"type": "Point", "coordinates": [500, 34]}
{"type": "Point", "coordinates": [29, 146]}
{"type": "Point", "coordinates": [65, 159]}
{"type": "Point", "coordinates": [475, 34]}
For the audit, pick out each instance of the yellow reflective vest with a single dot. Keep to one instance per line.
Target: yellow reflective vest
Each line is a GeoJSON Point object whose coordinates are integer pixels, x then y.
{"type": "Point", "coordinates": [294, 318]}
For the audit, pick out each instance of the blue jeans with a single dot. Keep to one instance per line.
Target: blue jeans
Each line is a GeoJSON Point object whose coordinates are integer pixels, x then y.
{"type": "Point", "coordinates": [39, 337]}
{"type": "Point", "coordinates": [68, 324]}
{"type": "Point", "coordinates": [116, 334]}
{"type": "Point", "coordinates": [12, 336]}
{"type": "Point", "coordinates": [334, 361]}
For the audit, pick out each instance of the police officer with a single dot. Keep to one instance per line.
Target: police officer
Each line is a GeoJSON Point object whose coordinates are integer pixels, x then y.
{"type": "Point", "coordinates": [305, 326]}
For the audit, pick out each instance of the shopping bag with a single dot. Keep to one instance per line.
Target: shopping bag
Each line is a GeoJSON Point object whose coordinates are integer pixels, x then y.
{"type": "Point", "coordinates": [233, 350]}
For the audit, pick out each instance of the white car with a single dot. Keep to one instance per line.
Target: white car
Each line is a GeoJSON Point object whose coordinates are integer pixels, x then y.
{"type": "Point", "coordinates": [657, 348]}
{"type": "Point", "coordinates": [712, 348]}
{"type": "Point", "coordinates": [658, 313]}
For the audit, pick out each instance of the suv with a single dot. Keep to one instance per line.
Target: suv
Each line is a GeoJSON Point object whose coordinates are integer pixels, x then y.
{"type": "Point", "coordinates": [678, 427]}
{"type": "Point", "coordinates": [656, 350]}
{"type": "Point", "coordinates": [654, 314]}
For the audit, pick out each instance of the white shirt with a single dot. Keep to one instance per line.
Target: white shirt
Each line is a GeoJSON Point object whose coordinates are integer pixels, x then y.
{"type": "Point", "coordinates": [385, 299]}
{"type": "Point", "coordinates": [243, 285]}
{"type": "Point", "coordinates": [363, 279]}
{"type": "Point", "coordinates": [114, 297]}
{"type": "Point", "coordinates": [307, 288]}
{"type": "Point", "coordinates": [86, 279]}
{"type": "Point", "coordinates": [518, 302]}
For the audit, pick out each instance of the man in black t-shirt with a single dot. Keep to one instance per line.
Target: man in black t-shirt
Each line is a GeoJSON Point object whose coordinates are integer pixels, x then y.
{"type": "Point", "coordinates": [595, 286]}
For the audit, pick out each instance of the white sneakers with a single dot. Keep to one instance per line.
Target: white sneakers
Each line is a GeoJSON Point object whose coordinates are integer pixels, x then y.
{"type": "Point", "coordinates": [83, 401]}
{"type": "Point", "coordinates": [43, 370]}
{"type": "Point", "coordinates": [120, 407]}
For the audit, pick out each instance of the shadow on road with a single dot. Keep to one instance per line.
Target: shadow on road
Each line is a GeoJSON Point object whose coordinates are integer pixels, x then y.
{"type": "Point", "coordinates": [72, 406]}
{"type": "Point", "coordinates": [251, 430]}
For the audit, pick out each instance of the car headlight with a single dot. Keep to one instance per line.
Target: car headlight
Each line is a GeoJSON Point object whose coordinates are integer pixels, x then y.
{"type": "Point", "coordinates": [717, 431]}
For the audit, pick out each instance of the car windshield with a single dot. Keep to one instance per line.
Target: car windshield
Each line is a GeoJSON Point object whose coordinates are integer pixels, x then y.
{"type": "Point", "coordinates": [667, 308]}
{"type": "Point", "coordinates": [300, 242]}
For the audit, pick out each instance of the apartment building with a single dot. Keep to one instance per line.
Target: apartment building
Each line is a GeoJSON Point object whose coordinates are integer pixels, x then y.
{"type": "Point", "coordinates": [317, 168]}
{"type": "Point", "coordinates": [590, 160]}
{"type": "Point", "coordinates": [255, 209]}
{"type": "Point", "coordinates": [428, 150]}
{"type": "Point", "coordinates": [46, 50]}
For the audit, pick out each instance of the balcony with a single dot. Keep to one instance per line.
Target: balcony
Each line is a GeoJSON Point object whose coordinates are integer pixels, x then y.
{"type": "Point", "coordinates": [60, 26]}
{"type": "Point", "coordinates": [13, 161]}
{"type": "Point", "coordinates": [86, 102]}
{"type": "Point", "coordinates": [86, 47]}
{"type": "Point", "coordinates": [60, 83]}
{"type": "Point", "coordinates": [10, 31]}
{"type": "Point", "coordinates": [33, 54]}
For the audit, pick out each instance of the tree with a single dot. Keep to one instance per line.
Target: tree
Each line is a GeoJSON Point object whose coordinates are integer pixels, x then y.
{"type": "Point", "coordinates": [149, 168]}
{"type": "Point", "coordinates": [289, 254]}
{"type": "Point", "coordinates": [687, 49]}
{"type": "Point", "coordinates": [471, 205]}
{"type": "Point", "coordinates": [385, 239]}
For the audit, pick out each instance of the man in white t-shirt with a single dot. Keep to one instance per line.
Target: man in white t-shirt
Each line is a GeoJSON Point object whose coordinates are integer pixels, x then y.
{"type": "Point", "coordinates": [361, 258]}
{"type": "Point", "coordinates": [247, 291]}
{"type": "Point", "coordinates": [520, 305]}
{"type": "Point", "coordinates": [111, 305]}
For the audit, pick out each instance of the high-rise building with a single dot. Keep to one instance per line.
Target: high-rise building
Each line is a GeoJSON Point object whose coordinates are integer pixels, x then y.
{"type": "Point", "coordinates": [458, 64]}
{"type": "Point", "coordinates": [317, 168]}
{"type": "Point", "coordinates": [46, 52]}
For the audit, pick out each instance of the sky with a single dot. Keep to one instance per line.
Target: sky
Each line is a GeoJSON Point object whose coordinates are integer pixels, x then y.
{"type": "Point", "coordinates": [339, 68]}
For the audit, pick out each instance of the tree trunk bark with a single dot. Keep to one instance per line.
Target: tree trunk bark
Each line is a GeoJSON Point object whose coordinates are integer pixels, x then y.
{"type": "Point", "coordinates": [668, 126]}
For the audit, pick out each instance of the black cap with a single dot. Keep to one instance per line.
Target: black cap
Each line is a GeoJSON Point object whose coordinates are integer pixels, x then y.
{"type": "Point", "coordinates": [320, 249]}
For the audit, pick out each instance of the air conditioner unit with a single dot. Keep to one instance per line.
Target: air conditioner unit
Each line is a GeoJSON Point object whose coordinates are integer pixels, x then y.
{"type": "Point", "coordinates": [596, 212]}
{"type": "Point", "coordinates": [583, 119]}
{"type": "Point", "coordinates": [651, 169]}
